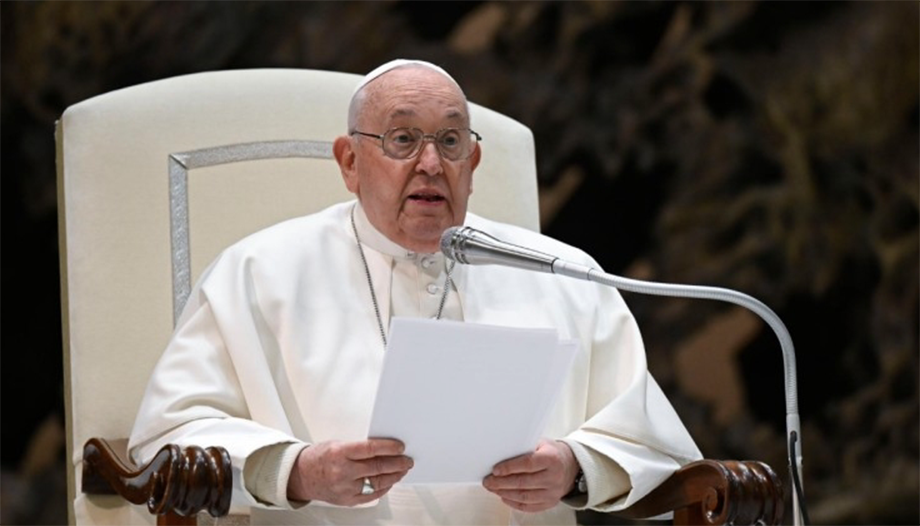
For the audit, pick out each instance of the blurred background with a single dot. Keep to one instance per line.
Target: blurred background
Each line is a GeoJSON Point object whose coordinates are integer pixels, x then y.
{"type": "Point", "coordinates": [768, 147]}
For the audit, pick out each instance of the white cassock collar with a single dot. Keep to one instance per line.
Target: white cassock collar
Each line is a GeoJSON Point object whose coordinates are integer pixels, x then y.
{"type": "Point", "coordinates": [375, 239]}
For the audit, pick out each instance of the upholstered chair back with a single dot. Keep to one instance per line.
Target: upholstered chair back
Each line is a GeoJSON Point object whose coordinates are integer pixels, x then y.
{"type": "Point", "coordinates": [156, 179]}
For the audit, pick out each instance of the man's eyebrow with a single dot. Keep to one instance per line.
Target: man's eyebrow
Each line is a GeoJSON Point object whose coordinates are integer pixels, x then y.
{"type": "Point", "coordinates": [408, 112]}
{"type": "Point", "coordinates": [402, 112]}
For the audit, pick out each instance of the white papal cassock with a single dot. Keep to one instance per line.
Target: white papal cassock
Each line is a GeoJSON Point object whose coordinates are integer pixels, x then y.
{"type": "Point", "coordinates": [279, 344]}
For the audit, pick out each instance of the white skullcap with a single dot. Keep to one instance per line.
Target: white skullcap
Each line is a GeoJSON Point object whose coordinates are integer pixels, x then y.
{"type": "Point", "coordinates": [393, 64]}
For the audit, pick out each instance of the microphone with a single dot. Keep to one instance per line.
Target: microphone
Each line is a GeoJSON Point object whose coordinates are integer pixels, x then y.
{"type": "Point", "coordinates": [474, 247]}
{"type": "Point", "coordinates": [470, 246]}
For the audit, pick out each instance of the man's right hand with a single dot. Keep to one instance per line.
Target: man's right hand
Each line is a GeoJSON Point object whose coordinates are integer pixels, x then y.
{"type": "Point", "coordinates": [334, 471]}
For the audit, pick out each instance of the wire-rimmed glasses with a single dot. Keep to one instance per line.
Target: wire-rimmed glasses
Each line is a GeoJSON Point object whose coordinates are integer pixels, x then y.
{"type": "Point", "coordinates": [454, 144]}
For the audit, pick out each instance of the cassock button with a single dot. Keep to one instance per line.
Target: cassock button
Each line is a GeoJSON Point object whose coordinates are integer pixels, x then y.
{"type": "Point", "coordinates": [427, 262]}
{"type": "Point", "coordinates": [432, 288]}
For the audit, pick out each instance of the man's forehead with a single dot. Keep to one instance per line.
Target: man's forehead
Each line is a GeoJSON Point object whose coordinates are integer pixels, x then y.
{"type": "Point", "coordinates": [403, 101]}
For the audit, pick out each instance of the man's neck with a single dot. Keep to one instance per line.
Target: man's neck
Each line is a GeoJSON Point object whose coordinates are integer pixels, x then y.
{"type": "Point", "coordinates": [377, 240]}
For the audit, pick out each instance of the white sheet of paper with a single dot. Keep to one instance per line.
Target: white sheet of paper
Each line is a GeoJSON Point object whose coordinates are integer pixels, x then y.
{"type": "Point", "coordinates": [463, 396]}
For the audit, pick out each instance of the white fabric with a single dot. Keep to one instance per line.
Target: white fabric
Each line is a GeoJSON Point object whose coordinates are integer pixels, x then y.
{"type": "Point", "coordinates": [279, 343]}
{"type": "Point", "coordinates": [417, 280]}
{"type": "Point", "coordinates": [114, 207]}
{"type": "Point", "coordinates": [398, 63]}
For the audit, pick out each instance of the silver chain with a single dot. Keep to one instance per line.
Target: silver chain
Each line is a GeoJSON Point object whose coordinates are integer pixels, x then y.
{"type": "Point", "coordinates": [448, 281]}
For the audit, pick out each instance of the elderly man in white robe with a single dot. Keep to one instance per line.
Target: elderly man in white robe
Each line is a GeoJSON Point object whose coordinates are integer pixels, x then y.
{"type": "Point", "coordinates": [279, 350]}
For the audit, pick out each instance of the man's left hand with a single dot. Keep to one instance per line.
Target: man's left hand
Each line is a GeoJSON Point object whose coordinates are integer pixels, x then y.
{"type": "Point", "coordinates": [535, 481]}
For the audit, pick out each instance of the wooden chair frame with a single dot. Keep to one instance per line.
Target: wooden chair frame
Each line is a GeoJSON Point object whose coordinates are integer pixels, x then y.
{"type": "Point", "coordinates": [178, 484]}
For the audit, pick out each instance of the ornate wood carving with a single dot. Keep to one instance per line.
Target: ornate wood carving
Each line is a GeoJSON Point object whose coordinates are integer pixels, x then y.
{"type": "Point", "coordinates": [716, 492]}
{"type": "Point", "coordinates": [176, 485]}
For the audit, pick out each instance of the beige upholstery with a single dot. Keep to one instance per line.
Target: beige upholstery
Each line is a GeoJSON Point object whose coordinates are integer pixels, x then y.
{"type": "Point", "coordinates": [128, 161]}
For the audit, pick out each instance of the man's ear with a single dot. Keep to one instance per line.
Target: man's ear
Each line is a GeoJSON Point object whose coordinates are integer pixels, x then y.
{"type": "Point", "coordinates": [345, 155]}
{"type": "Point", "coordinates": [474, 162]}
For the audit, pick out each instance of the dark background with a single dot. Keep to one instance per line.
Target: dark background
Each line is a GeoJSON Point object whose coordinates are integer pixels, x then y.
{"type": "Point", "coordinates": [767, 147]}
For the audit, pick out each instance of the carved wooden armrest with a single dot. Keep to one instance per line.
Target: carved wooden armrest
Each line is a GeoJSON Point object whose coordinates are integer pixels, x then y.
{"type": "Point", "coordinates": [716, 492]}
{"type": "Point", "coordinates": [176, 484]}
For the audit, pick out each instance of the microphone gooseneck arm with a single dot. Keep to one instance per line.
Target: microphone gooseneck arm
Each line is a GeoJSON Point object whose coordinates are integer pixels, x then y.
{"type": "Point", "coordinates": [470, 246]}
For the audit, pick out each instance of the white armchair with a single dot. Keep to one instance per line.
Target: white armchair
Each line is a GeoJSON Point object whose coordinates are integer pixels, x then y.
{"type": "Point", "coordinates": [153, 181]}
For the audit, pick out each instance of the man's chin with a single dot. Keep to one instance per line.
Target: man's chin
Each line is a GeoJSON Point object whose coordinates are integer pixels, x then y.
{"type": "Point", "coordinates": [426, 239]}
{"type": "Point", "coordinates": [424, 246]}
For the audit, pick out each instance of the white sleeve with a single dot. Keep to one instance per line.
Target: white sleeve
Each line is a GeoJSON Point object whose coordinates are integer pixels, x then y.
{"type": "Point", "coordinates": [631, 429]}
{"type": "Point", "coordinates": [194, 397]}
{"type": "Point", "coordinates": [268, 470]}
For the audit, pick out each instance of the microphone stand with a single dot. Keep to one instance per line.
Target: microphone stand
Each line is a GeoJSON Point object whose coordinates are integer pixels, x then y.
{"type": "Point", "coordinates": [793, 424]}
{"type": "Point", "coordinates": [470, 246]}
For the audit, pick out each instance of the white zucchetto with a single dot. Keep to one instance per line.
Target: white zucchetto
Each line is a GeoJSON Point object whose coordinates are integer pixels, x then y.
{"type": "Point", "coordinates": [393, 64]}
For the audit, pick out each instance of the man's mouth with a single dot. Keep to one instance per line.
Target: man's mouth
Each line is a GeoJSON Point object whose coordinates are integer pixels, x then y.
{"type": "Point", "coordinates": [429, 197]}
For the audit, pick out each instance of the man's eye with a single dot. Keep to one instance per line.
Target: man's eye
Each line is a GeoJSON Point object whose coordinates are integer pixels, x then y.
{"type": "Point", "coordinates": [450, 139]}
{"type": "Point", "coordinates": [402, 138]}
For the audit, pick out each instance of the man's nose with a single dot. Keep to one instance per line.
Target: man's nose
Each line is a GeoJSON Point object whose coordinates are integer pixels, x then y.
{"type": "Point", "coordinates": [429, 159]}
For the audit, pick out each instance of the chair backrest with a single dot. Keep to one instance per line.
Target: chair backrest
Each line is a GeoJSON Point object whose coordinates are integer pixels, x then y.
{"type": "Point", "coordinates": [154, 180]}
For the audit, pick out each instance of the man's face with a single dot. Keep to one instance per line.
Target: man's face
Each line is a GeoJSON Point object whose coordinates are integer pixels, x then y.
{"type": "Point", "coordinates": [411, 201]}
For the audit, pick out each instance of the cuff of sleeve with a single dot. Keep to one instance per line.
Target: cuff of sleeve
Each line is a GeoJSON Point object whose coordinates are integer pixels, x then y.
{"type": "Point", "coordinates": [267, 471]}
{"type": "Point", "coordinates": [606, 479]}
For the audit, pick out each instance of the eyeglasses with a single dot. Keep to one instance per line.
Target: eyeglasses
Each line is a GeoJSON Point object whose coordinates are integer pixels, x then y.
{"type": "Point", "coordinates": [454, 144]}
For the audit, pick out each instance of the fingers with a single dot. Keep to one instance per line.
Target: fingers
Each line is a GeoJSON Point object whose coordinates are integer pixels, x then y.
{"type": "Point", "coordinates": [373, 447]}
{"type": "Point", "coordinates": [523, 499]}
{"type": "Point", "coordinates": [382, 473]}
{"type": "Point", "coordinates": [334, 472]}
{"type": "Point", "coordinates": [382, 483]}
{"type": "Point", "coordinates": [528, 507]}
{"type": "Point", "coordinates": [545, 456]}
{"type": "Point", "coordinates": [380, 460]}
{"type": "Point", "coordinates": [530, 493]}
{"type": "Point", "coordinates": [535, 481]}
{"type": "Point", "coordinates": [530, 481]}
{"type": "Point", "coordinates": [383, 465]}
{"type": "Point", "coordinates": [529, 463]}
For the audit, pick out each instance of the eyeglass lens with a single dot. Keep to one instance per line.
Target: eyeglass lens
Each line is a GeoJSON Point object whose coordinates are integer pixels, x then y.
{"type": "Point", "coordinates": [453, 143]}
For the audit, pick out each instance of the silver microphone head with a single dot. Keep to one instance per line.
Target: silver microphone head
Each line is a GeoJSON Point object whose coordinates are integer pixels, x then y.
{"type": "Point", "coordinates": [452, 242]}
{"type": "Point", "coordinates": [469, 246]}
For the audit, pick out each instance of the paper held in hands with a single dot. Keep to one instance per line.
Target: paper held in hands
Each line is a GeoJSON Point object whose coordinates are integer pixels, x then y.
{"type": "Point", "coordinates": [465, 396]}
